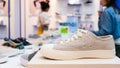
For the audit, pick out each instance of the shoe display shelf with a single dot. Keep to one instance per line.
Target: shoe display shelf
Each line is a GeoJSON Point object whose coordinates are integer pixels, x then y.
{"type": "Point", "coordinates": [39, 62]}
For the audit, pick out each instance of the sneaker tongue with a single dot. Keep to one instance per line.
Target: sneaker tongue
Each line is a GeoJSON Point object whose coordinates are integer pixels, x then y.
{"type": "Point", "coordinates": [82, 31]}
{"type": "Point", "coordinates": [78, 34]}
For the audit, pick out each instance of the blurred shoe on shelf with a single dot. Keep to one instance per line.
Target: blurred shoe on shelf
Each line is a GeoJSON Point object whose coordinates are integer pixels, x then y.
{"type": "Point", "coordinates": [24, 41]}
{"type": "Point", "coordinates": [16, 43]}
{"type": "Point", "coordinates": [3, 59]}
{"type": "Point", "coordinates": [8, 51]}
{"type": "Point", "coordinates": [25, 58]}
{"type": "Point", "coordinates": [34, 36]}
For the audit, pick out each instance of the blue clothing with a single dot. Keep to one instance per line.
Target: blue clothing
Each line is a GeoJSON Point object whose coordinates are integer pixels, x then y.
{"type": "Point", "coordinates": [118, 3]}
{"type": "Point", "coordinates": [109, 23]}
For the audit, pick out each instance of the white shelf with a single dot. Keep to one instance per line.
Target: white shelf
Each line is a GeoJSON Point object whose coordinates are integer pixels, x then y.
{"type": "Point", "coordinates": [39, 62]}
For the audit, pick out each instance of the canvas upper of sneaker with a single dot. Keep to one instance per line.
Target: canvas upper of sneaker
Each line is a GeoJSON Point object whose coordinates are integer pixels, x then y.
{"type": "Point", "coordinates": [86, 40]}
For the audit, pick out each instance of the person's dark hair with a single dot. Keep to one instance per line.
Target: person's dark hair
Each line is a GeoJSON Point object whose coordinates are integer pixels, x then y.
{"type": "Point", "coordinates": [4, 2]}
{"type": "Point", "coordinates": [44, 6]}
{"type": "Point", "coordinates": [34, 2]}
{"type": "Point", "coordinates": [47, 1]}
{"type": "Point", "coordinates": [111, 3]}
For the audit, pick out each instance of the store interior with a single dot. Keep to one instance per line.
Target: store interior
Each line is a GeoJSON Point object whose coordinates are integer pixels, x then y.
{"type": "Point", "coordinates": [20, 40]}
{"type": "Point", "coordinates": [24, 17]}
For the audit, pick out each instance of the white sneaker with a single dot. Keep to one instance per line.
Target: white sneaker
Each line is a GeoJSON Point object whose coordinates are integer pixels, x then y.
{"type": "Point", "coordinates": [83, 44]}
{"type": "Point", "coordinates": [3, 58]}
{"type": "Point", "coordinates": [24, 59]}
{"type": "Point", "coordinates": [8, 51]}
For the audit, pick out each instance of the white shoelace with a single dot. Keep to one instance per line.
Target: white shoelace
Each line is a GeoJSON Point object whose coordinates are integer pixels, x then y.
{"type": "Point", "coordinates": [76, 36]}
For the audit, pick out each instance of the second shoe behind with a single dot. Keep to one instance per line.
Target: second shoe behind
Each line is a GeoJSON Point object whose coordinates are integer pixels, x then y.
{"type": "Point", "coordinates": [84, 44]}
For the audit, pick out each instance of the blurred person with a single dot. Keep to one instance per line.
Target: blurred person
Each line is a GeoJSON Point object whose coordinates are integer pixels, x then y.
{"type": "Point", "coordinates": [44, 17]}
{"type": "Point", "coordinates": [100, 9]}
{"type": "Point", "coordinates": [3, 3]}
{"type": "Point", "coordinates": [3, 7]}
{"type": "Point", "coordinates": [109, 22]}
{"type": "Point", "coordinates": [35, 6]}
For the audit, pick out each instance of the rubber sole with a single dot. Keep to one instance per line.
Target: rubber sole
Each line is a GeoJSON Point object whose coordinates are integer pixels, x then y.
{"type": "Point", "coordinates": [49, 52]}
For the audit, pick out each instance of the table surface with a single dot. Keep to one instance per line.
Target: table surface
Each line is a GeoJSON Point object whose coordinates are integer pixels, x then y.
{"type": "Point", "coordinates": [15, 62]}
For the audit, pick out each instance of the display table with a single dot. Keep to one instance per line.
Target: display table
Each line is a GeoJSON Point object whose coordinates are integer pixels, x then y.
{"type": "Point", "coordinates": [39, 62]}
